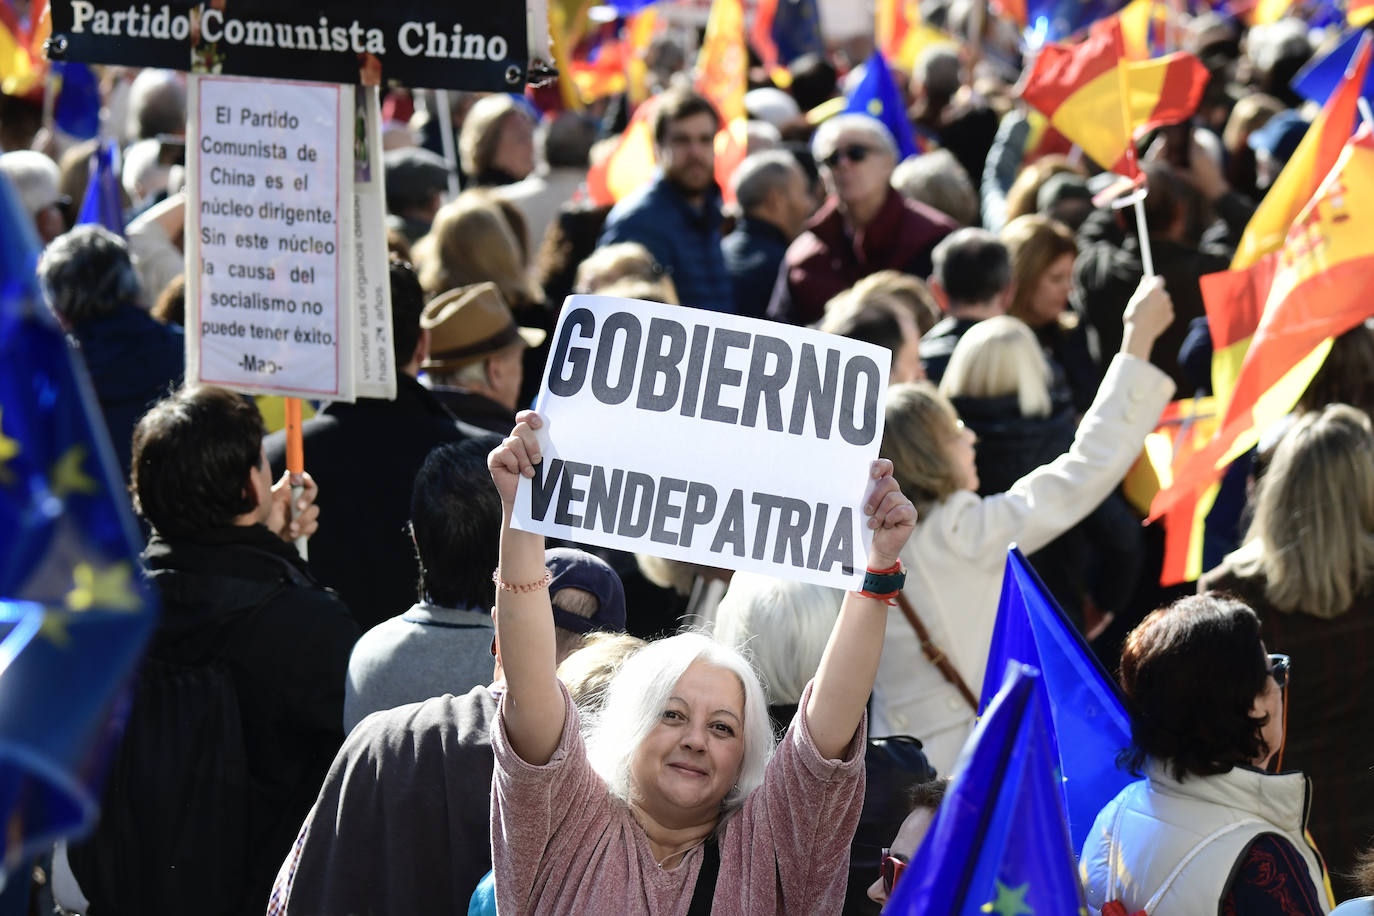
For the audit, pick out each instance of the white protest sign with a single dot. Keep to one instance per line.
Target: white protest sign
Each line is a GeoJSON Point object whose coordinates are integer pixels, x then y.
{"type": "Point", "coordinates": [268, 237]}
{"type": "Point", "coordinates": [373, 372]}
{"type": "Point", "coordinates": [708, 438]}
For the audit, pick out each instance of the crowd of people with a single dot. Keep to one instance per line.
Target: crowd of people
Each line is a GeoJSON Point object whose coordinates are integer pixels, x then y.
{"type": "Point", "coordinates": [395, 727]}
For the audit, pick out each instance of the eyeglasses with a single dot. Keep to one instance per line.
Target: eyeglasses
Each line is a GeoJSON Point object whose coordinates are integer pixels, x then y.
{"type": "Point", "coordinates": [1278, 669]}
{"type": "Point", "coordinates": [892, 868]}
{"type": "Point", "coordinates": [854, 152]}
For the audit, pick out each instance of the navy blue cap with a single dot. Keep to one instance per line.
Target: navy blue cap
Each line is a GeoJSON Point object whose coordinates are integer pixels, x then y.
{"type": "Point", "coordinates": [573, 568]}
{"type": "Point", "coordinates": [1279, 136]}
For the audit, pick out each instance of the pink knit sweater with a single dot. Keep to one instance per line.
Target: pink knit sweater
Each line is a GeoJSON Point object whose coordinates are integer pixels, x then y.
{"type": "Point", "coordinates": [561, 844]}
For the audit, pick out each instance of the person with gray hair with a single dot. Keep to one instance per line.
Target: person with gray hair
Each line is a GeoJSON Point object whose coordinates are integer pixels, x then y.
{"type": "Point", "coordinates": [157, 104]}
{"type": "Point", "coordinates": [90, 284]}
{"type": "Point", "coordinates": [775, 202]}
{"type": "Point", "coordinates": [864, 226]}
{"type": "Point", "coordinates": [938, 180]}
{"type": "Point", "coordinates": [971, 281]}
{"type": "Point", "coordinates": [678, 773]}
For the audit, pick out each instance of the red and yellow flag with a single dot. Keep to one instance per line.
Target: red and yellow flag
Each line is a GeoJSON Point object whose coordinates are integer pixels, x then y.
{"type": "Point", "coordinates": [723, 77]}
{"type": "Point", "coordinates": [21, 67]}
{"type": "Point", "coordinates": [1144, 28]}
{"type": "Point", "coordinates": [901, 34]}
{"type": "Point", "coordinates": [1359, 13]}
{"type": "Point", "coordinates": [1235, 302]}
{"type": "Point", "coordinates": [1313, 289]}
{"type": "Point", "coordinates": [630, 164]}
{"type": "Point", "coordinates": [1080, 89]}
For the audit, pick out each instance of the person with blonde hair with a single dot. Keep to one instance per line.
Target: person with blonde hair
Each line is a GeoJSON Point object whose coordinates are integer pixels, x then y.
{"type": "Point", "coordinates": [1307, 568]}
{"type": "Point", "coordinates": [472, 241]}
{"type": "Point", "coordinates": [958, 552]}
{"type": "Point", "coordinates": [908, 291]}
{"type": "Point", "coordinates": [496, 143]}
{"type": "Point", "coordinates": [999, 382]}
{"type": "Point", "coordinates": [1042, 253]}
{"type": "Point", "coordinates": [611, 263]}
{"type": "Point", "coordinates": [679, 772]}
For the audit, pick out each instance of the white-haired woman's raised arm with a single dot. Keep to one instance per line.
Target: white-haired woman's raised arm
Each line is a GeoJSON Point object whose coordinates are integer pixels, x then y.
{"type": "Point", "coordinates": [850, 663]}
{"type": "Point", "coordinates": [533, 706]}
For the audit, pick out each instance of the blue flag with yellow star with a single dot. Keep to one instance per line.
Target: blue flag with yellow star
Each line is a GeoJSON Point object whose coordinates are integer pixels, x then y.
{"type": "Point", "coordinates": [74, 612]}
{"type": "Point", "coordinates": [999, 843]}
{"type": "Point", "coordinates": [102, 204]}
{"type": "Point", "coordinates": [1089, 725]}
{"type": "Point", "coordinates": [877, 95]}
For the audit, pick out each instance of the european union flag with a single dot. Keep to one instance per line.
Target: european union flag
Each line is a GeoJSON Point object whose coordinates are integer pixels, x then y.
{"type": "Point", "coordinates": [74, 612]}
{"type": "Point", "coordinates": [999, 843]}
{"type": "Point", "coordinates": [77, 107]}
{"type": "Point", "coordinates": [877, 95]}
{"type": "Point", "coordinates": [797, 29]}
{"type": "Point", "coordinates": [1056, 20]}
{"type": "Point", "coordinates": [1089, 724]}
{"type": "Point", "coordinates": [1321, 75]}
{"type": "Point", "coordinates": [102, 202]}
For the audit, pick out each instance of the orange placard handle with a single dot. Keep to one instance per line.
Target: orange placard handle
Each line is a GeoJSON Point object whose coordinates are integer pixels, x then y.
{"type": "Point", "coordinates": [295, 446]}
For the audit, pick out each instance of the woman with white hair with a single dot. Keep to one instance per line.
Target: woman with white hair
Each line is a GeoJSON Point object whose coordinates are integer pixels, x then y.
{"type": "Point", "coordinates": [864, 225]}
{"type": "Point", "coordinates": [675, 798]}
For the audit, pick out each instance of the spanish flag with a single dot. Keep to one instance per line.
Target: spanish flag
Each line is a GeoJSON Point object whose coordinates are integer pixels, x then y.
{"type": "Point", "coordinates": [567, 22]}
{"type": "Point", "coordinates": [630, 164]}
{"type": "Point", "coordinates": [1314, 288]}
{"type": "Point", "coordinates": [723, 77]}
{"type": "Point", "coordinates": [21, 69]}
{"type": "Point", "coordinates": [1235, 301]}
{"type": "Point", "coordinates": [902, 34]}
{"type": "Point", "coordinates": [1144, 27]}
{"type": "Point", "coordinates": [1359, 12]}
{"type": "Point", "coordinates": [1080, 89]}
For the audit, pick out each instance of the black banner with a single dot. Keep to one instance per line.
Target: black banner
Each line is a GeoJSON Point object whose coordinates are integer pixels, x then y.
{"type": "Point", "coordinates": [421, 43]}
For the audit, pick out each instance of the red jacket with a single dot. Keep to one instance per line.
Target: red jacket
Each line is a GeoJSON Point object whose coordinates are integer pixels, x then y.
{"type": "Point", "coordinates": [826, 259]}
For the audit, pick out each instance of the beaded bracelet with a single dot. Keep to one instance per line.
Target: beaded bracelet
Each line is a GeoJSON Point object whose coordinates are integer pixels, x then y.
{"type": "Point", "coordinates": [541, 583]}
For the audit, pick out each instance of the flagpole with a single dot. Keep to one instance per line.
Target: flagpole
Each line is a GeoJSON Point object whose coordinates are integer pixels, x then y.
{"type": "Point", "coordinates": [1147, 259]}
{"type": "Point", "coordinates": [445, 115]}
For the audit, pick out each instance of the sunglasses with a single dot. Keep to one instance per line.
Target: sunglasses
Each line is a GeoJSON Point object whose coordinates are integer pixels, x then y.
{"type": "Point", "coordinates": [855, 152]}
{"type": "Point", "coordinates": [1278, 669]}
{"type": "Point", "coordinates": [891, 868]}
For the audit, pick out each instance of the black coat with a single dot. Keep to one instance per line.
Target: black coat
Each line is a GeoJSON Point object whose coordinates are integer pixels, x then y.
{"type": "Point", "coordinates": [243, 596]}
{"type": "Point", "coordinates": [364, 457]}
{"type": "Point", "coordinates": [1100, 556]}
{"type": "Point", "coordinates": [134, 361]}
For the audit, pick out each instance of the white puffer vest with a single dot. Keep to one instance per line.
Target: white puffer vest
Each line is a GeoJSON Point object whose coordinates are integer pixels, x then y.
{"type": "Point", "coordinates": [1170, 847]}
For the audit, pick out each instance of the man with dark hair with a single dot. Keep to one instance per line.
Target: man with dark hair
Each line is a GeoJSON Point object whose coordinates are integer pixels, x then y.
{"type": "Point", "coordinates": [365, 456]}
{"type": "Point", "coordinates": [416, 181]}
{"type": "Point", "coordinates": [237, 596]}
{"type": "Point", "coordinates": [677, 215]}
{"type": "Point", "coordinates": [442, 643]}
{"type": "Point", "coordinates": [775, 201]}
{"type": "Point", "coordinates": [971, 279]}
{"type": "Point", "coordinates": [91, 285]}
{"type": "Point", "coordinates": [403, 821]}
